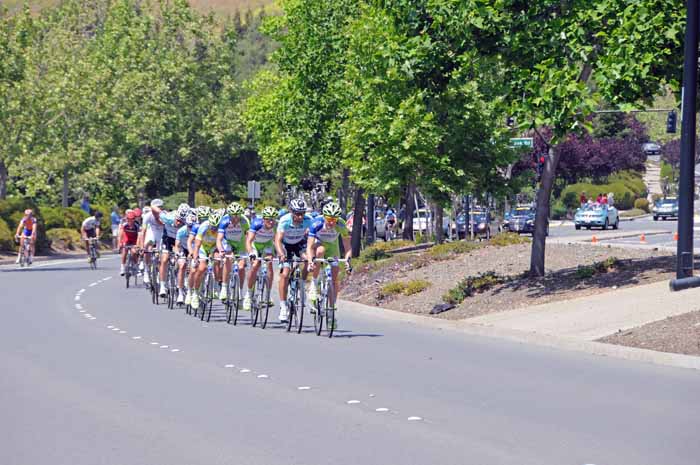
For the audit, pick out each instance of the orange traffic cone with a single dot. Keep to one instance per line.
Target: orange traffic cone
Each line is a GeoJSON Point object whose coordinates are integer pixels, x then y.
{"type": "Point", "coordinates": [675, 236]}
{"type": "Point", "coordinates": [642, 238]}
{"type": "Point", "coordinates": [594, 240]}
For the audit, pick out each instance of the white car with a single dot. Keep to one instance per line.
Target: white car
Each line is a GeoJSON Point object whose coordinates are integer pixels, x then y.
{"type": "Point", "coordinates": [597, 215]}
{"type": "Point", "coordinates": [421, 219]}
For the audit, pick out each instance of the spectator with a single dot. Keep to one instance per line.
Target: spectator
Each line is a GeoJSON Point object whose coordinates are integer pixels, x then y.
{"type": "Point", "coordinates": [583, 200]}
{"type": "Point", "coordinates": [116, 221]}
{"type": "Point", "coordinates": [599, 199]}
{"type": "Point", "coordinates": [605, 199]}
{"type": "Point", "coordinates": [611, 199]}
{"type": "Point", "coordinates": [85, 204]}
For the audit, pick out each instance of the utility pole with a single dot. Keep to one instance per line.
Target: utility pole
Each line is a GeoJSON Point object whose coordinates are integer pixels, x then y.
{"type": "Point", "coordinates": [684, 256]}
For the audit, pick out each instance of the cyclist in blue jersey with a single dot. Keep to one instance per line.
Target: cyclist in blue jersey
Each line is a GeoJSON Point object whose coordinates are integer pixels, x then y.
{"type": "Point", "coordinates": [290, 242]}
{"type": "Point", "coordinates": [202, 214]}
{"type": "Point", "coordinates": [231, 238]}
{"type": "Point", "coordinates": [204, 247]}
{"type": "Point", "coordinates": [260, 243]}
{"type": "Point", "coordinates": [172, 221]}
{"type": "Point", "coordinates": [181, 245]}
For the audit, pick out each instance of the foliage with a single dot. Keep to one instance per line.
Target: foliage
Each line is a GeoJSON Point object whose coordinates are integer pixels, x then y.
{"type": "Point", "coordinates": [472, 285]}
{"type": "Point", "coordinates": [60, 217]}
{"type": "Point", "coordinates": [407, 288]}
{"type": "Point", "coordinates": [631, 213]}
{"type": "Point", "coordinates": [605, 266]}
{"type": "Point", "coordinates": [7, 237]}
{"type": "Point", "coordinates": [64, 238]}
{"type": "Point", "coordinates": [450, 249]}
{"type": "Point", "coordinates": [559, 210]}
{"type": "Point", "coordinates": [642, 204]}
{"type": "Point", "coordinates": [625, 192]}
{"type": "Point", "coordinates": [506, 239]}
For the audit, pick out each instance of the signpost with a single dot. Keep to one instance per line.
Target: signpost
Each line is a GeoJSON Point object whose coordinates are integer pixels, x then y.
{"type": "Point", "coordinates": [521, 142]}
{"type": "Point", "coordinates": [253, 191]}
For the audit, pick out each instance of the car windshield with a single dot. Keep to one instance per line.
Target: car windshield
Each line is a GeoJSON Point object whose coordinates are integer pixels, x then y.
{"type": "Point", "coordinates": [522, 212]}
{"type": "Point", "coordinates": [667, 202]}
{"type": "Point", "coordinates": [479, 217]}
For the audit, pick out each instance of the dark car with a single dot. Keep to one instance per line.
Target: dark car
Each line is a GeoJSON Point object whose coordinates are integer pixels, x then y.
{"type": "Point", "coordinates": [521, 220]}
{"type": "Point", "coordinates": [480, 221]}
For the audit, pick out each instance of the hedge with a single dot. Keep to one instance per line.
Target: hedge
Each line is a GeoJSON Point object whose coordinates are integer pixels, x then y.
{"type": "Point", "coordinates": [64, 238]}
{"type": "Point", "coordinates": [642, 204]}
{"type": "Point", "coordinates": [7, 236]}
{"type": "Point", "coordinates": [12, 211]}
{"type": "Point", "coordinates": [60, 217]}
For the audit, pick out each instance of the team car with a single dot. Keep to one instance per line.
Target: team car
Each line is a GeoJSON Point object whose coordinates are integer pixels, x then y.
{"type": "Point", "coordinates": [596, 215]}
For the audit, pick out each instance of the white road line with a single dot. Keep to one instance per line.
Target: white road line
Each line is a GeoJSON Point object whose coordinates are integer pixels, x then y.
{"type": "Point", "coordinates": [78, 306]}
{"type": "Point", "coordinates": [92, 285]}
{"type": "Point", "coordinates": [110, 326]}
{"type": "Point", "coordinates": [136, 338]}
{"type": "Point", "coordinates": [115, 329]}
{"type": "Point", "coordinates": [230, 365]}
{"type": "Point", "coordinates": [262, 376]}
{"type": "Point", "coordinates": [82, 311]}
{"type": "Point", "coordinates": [108, 278]}
{"type": "Point", "coordinates": [155, 343]}
{"type": "Point", "coordinates": [122, 332]}
{"type": "Point", "coordinates": [414, 418]}
{"type": "Point", "coordinates": [245, 370]}
{"type": "Point", "coordinates": [175, 350]}
{"type": "Point", "coordinates": [81, 291]}
{"type": "Point", "coordinates": [351, 402]}
{"type": "Point", "coordinates": [304, 388]}
{"type": "Point", "coordinates": [381, 409]}
{"type": "Point", "coordinates": [164, 346]}
{"type": "Point", "coordinates": [77, 297]}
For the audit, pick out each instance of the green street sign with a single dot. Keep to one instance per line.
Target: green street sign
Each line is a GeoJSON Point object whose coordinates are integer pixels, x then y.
{"type": "Point", "coordinates": [521, 142]}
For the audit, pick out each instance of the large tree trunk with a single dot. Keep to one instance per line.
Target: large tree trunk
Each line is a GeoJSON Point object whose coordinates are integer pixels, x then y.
{"type": "Point", "coordinates": [439, 233]}
{"type": "Point", "coordinates": [408, 213]}
{"type": "Point", "coordinates": [358, 207]}
{"type": "Point", "coordinates": [191, 191]}
{"type": "Point", "coordinates": [542, 216]}
{"type": "Point", "coordinates": [64, 197]}
{"type": "Point", "coordinates": [3, 180]}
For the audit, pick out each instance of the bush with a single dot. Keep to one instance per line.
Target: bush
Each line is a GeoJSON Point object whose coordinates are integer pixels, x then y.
{"type": "Point", "coordinates": [411, 287]}
{"type": "Point", "coordinates": [506, 239]}
{"type": "Point", "coordinates": [559, 209]}
{"type": "Point", "coordinates": [12, 211]}
{"type": "Point", "coordinates": [570, 199]}
{"type": "Point", "coordinates": [642, 204]}
{"type": "Point", "coordinates": [633, 180]}
{"type": "Point", "coordinates": [605, 266]}
{"type": "Point", "coordinates": [64, 238]}
{"type": "Point", "coordinates": [7, 236]}
{"type": "Point", "coordinates": [472, 285]}
{"type": "Point", "coordinates": [631, 213]}
{"type": "Point", "coordinates": [450, 249]}
{"type": "Point", "coordinates": [59, 217]}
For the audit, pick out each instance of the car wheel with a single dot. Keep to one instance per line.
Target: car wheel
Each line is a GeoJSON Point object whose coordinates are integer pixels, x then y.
{"type": "Point", "coordinates": [616, 224]}
{"type": "Point", "coordinates": [577, 226]}
{"type": "Point", "coordinates": [656, 218]}
{"type": "Point", "coordinates": [588, 228]}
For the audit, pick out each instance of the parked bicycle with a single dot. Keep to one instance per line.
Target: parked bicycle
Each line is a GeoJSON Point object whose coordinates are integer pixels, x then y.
{"type": "Point", "coordinates": [324, 307]}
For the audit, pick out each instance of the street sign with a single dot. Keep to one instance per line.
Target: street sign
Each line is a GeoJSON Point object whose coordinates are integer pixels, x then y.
{"type": "Point", "coordinates": [521, 142]}
{"type": "Point", "coordinates": [253, 190]}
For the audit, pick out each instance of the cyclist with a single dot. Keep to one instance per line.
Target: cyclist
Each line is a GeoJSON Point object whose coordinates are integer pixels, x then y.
{"type": "Point", "coordinates": [27, 226]}
{"type": "Point", "coordinates": [152, 233]}
{"type": "Point", "coordinates": [128, 236]}
{"type": "Point", "coordinates": [181, 246]}
{"type": "Point", "coordinates": [204, 246]}
{"type": "Point", "coordinates": [202, 213]}
{"type": "Point", "coordinates": [260, 243]}
{"type": "Point", "coordinates": [290, 242]}
{"type": "Point", "coordinates": [231, 238]}
{"type": "Point", "coordinates": [90, 229]}
{"type": "Point", "coordinates": [323, 242]}
{"type": "Point", "coordinates": [172, 221]}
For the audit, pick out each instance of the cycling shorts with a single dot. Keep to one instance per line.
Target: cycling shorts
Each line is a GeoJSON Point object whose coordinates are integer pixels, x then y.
{"type": "Point", "coordinates": [233, 247]}
{"type": "Point", "coordinates": [27, 232]}
{"type": "Point", "coordinates": [294, 250]}
{"type": "Point", "coordinates": [168, 243]}
{"type": "Point", "coordinates": [264, 248]}
{"type": "Point", "coordinates": [129, 239]}
{"type": "Point", "coordinates": [152, 238]}
{"type": "Point", "coordinates": [91, 233]}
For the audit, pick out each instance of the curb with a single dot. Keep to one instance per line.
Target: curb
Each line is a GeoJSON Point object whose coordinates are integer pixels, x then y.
{"type": "Point", "coordinates": [539, 339]}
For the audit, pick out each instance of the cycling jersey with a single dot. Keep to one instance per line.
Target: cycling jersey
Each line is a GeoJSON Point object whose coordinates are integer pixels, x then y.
{"type": "Point", "coordinates": [170, 224]}
{"type": "Point", "coordinates": [293, 233]}
{"type": "Point", "coordinates": [130, 233]}
{"type": "Point", "coordinates": [27, 225]}
{"type": "Point", "coordinates": [234, 234]}
{"type": "Point", "coordinates": [151, 222]}
{"type": "Point", "coordinates": [208, 237]}
{"type": "Point", "coordinates": [326, 235]}
{"type": "Point", "coordinates": [90, 223]}
{"type": "Point", "coordinates": [182, 234]}
{"type": "Point", "coordinates": [263, 237]}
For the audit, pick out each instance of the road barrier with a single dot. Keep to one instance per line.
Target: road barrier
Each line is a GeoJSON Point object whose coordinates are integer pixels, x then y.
{"type": "Point", "coordinates": [643, 239]}
{"type": "Point", "coordinates": [594, 240]}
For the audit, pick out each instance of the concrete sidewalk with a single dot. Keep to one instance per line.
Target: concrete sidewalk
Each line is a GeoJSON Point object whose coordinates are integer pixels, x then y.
{"type": "Point", "coordinates": [590, 318]}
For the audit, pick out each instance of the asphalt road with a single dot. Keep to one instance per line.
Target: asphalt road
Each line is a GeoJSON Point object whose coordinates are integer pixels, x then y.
{"type": "Point", "coordinates": [95, 374]}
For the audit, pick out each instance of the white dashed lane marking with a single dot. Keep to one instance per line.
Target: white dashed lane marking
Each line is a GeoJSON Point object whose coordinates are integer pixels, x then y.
{"type": "Point", "coordinates": [163, 347]}
{"type": "Point", "coordinates": [414, 418]}
{"type": "Point", "coordinates": [304, 388]}
{"type": "Point", "coordinates": [245, 370]}
{"type": "Point", "coordinates": [262, 376]}
{"type": "Point", "coordinates": [175, 350]}
{"type": "Point", "coordinates": [78, 306]}
{"type": "Point", "coordinates": [230, 365]}
{"type": "Point", "coordinates": [136, 338]}
{"type": "Point", "coordinates": [77, 297]}
{"type": "Point", "coordinates": [381, 409]}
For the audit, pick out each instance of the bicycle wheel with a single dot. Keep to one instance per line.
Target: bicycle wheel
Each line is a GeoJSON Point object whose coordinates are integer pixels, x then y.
{"type": "Point", "coordinates": [299, 305]}
{"type": "Point", "coordinates": [255, 307]}
{"type": "Point", "coordinates": [210, 298]}
{"type": "Point", "coordinates": [232, 301]}
{"type": "Point", "coordinates": [330, 308]}
{"type": "Point", "coordinates": [208, 281]}
{"type": "Point", "coordinates": [170, 287]}
{"type": "Point", "coordinates": [265, 304]}
{"type": "Point", "coordinates": [318, 307]}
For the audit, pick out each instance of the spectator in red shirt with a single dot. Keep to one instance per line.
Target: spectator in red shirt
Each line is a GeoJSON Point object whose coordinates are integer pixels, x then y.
{"type": "Point", "coordinates": [599, 199]}
{"type": "Point", "coordinates": [583, 200]}
{"type": "Point", "coordinates": [605, 199]}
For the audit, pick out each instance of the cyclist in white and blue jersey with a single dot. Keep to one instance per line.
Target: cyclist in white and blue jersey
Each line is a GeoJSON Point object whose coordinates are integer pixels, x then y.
{"type": "Point", "coordinates": [181, 245]}
{"type": "Point", "coordinates": [172, 221]}
{"type": "Point", "coordinates": [290, 242]}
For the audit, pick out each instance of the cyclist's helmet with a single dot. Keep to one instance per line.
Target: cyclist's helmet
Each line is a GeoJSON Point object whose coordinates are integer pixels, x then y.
{"type": "Point", "coordinates": [215, 217]}
{"type": "Point", "coordinates": [282, 212]}
{"type": "Point", "coordinates": [156, 203]}
{"type": "Point", "coordinates": [182, 211]}
{"type": "Point", "coordinates": [332, 210]}
{"type": "Point", "coordinates": [235, 209]}
{"type": "Point", "coordinates": [203, 213]}
{"type": "Point", "coordinates": [191, 218]}
{"type": "Point", "coordinates": [270, 213]}
{"type": "Point", "coordinates": [297, 206]}
{"type": "Point", "coordinates": [130, 215]}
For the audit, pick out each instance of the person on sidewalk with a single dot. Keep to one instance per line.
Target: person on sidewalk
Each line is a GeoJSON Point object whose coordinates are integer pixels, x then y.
{"type": "Point", "coordinates": [116, 221]}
